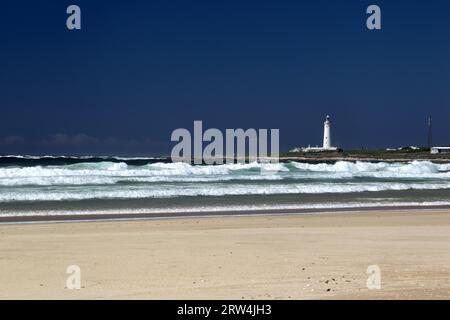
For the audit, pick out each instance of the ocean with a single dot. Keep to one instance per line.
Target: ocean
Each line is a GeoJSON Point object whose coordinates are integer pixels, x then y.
{"type": "Point", "coordinates": [48, 186]}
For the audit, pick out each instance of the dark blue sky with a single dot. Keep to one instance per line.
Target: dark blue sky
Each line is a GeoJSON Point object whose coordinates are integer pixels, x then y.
{"type": "Point", "coordinates": [139, 69]}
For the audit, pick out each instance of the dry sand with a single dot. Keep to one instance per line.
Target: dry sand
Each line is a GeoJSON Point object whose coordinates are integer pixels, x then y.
{"type": "Point", "coordinates": [322, 256]}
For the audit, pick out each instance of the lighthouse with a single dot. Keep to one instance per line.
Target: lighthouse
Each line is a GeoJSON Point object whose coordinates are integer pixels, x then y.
{"type": "Point", "coordinates": [326, 147]}
{"type": "Point", "coordinates": [327, 133]}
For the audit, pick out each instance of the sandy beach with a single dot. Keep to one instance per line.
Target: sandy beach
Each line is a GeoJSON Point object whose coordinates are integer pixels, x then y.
{"type": "Point", "coordinates": [317, 256]}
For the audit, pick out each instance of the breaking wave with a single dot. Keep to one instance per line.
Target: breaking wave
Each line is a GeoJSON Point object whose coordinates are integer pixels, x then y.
{"type": "Point", "coordinates": [115, 172]}
{"type": "Point", "coordinates": [122, 180]}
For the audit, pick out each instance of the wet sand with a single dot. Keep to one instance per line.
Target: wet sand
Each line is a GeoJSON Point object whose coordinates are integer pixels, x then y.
{"type": "Point", "coordinates": [316, 256]}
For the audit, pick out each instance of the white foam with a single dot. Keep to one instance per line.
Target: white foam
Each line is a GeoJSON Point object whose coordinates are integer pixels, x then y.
{"type": "Point", "coordinates": [115, 180]}
{"type": "Point", "coordinates": [414, 169]}
{"type": "Point", "coordinates": [224, 189]}
{"type": "Point", "coordinates": [232, 208]}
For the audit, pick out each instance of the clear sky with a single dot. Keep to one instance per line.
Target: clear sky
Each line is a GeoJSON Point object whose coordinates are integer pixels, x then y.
{"type": "Point", "coordinates": [137, 70]}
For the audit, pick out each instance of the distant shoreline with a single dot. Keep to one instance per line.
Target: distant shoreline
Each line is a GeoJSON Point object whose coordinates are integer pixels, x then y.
{"type": "Point", "coordinates": [312, 157]}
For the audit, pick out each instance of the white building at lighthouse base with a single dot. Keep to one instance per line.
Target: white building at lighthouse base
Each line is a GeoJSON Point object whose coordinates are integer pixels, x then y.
{"type": "Point", "coordinates": [314, 149]}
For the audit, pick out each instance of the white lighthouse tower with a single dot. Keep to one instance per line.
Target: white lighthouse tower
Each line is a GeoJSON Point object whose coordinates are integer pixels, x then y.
{"type": "Point", "coordinates": [327, 133]}
{"type": "Point", "coordinates": [326, 141]}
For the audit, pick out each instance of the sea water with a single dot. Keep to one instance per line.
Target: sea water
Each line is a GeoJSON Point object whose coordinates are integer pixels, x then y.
{"type": "Point", "coordinates": [80, 185]}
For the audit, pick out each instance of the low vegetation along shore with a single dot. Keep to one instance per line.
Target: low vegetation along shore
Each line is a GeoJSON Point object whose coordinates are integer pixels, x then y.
{"type": "Point", "coordinates": [367, 155]}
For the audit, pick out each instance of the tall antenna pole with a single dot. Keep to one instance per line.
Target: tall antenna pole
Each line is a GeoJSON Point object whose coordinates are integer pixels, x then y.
{"type": "Point", "coordinates": [430, 132]}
